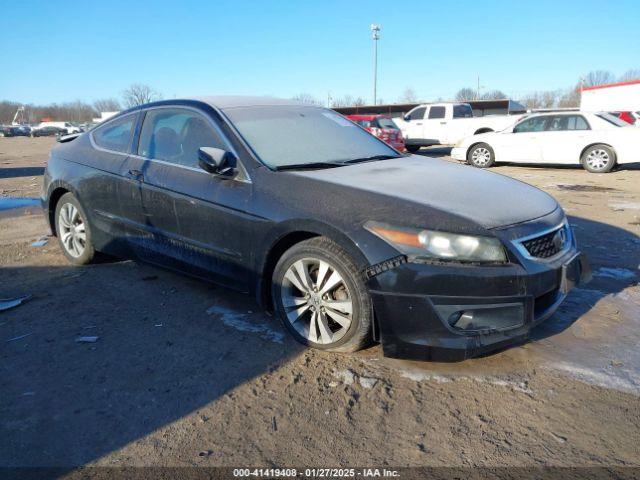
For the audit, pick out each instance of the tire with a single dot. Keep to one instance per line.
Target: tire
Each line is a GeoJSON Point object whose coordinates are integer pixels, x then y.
{"type": "Point", "coordinates": [481, 156]}
{"type": "Point", "coordinates": [314, 323]}
{"type": "Point", "coordinates": [412, 148]}
{"type": "Point", "coordinates": [77, 250]}
{"type": "Point", "coordinates": [598, 159]}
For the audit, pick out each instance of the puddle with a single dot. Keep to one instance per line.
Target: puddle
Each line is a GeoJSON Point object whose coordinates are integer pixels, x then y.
{"type": "Point", "coordinates": [9, 203]}
{"type": "Point", "coordinates": [585, 188]}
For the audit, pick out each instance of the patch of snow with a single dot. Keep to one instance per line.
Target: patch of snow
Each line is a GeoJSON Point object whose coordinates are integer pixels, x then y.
{"type": "Point", "coordinates": [617, 273]}
{"type": "Point", "coordinates": [347, 376]}
{"type": "Point", "coordinates": [602, 378]}
{"type": "Point", "coordinates": [368, 382]}
{"type": "Point", "coordinates": [625, 206]}
{"type": "Point", "coordinates": [239, 321]}
{"type": "Point", "coordinates": [418, 376]}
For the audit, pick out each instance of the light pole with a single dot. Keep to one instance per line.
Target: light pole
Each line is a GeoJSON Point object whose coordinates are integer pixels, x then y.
{"type": "Point", "coordinates": [375, 35]}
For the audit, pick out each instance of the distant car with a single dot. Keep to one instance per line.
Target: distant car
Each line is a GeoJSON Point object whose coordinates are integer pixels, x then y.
{"type": "Point", "coordinates": [597, 141]}
{"type": "Point", "coordinates": [8, 131]}
{"type": "Point", "coordinates": [446, 124]}
{"type": "Point", "coordinates": [382, 127]}
{"type": "Point", "coordinates": [68, 127]}
{"type": "Point", "coordinates": [50, 131]}
{"type": "Point", "coordinates": [632, 118]}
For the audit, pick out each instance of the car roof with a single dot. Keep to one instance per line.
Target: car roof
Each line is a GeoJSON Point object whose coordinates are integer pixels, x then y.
{"type": "Point", "coordinates": [223, 102]}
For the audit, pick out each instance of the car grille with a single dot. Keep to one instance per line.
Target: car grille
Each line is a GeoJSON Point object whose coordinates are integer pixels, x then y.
{"type": "Point", "coordinates": [545, 246]}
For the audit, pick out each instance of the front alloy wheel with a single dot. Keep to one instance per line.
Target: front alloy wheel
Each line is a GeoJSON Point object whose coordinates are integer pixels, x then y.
{"type": "Point", "coordinates": [317, 301]}
{"type": "Point", "coordinates": [481, 156]}
{"type": "Point", "coordinates": [321, 298]}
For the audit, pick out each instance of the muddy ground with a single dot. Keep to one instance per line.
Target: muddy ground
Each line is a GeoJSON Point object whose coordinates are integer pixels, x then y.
{"type": "Point", "coordinates": [186, 374]}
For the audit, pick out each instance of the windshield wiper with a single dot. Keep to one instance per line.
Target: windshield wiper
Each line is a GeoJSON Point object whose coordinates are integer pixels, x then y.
{"type": "Point", "coordinates": [372, 158]}
{"type": "Point", "coordinates": [310, 166]}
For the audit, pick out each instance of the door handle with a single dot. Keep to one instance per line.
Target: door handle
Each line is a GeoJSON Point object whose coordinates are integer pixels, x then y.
{"type": "Point", "coordinates": [135, 175]}
{"type": "Point", "coordinates": [418, 123]}
{"type": "Point", "coordinates": [443, 123]}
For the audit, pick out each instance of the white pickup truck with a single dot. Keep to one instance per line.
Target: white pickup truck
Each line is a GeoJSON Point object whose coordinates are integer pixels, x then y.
{"type": "Point", "coordinates": [446, 124]}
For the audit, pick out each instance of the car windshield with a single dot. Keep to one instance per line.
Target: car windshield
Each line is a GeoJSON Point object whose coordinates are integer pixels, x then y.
{"type": "Point", "coordinates": [299, 135]}
{"type": "Point", "coordinates": [387, 123]}
{"type": "Point", "coordinates": [611, 119]}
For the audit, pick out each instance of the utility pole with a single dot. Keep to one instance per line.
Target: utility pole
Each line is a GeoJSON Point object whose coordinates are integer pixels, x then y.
{"type": "Point", "coordinates": [375, 35]}
{"type": "Point", "coordinates": [478, 90]}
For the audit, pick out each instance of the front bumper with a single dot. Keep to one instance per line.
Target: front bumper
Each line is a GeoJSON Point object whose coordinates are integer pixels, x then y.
{"type": "Point", "coordinates": [459, 153]}
{"type": "Point", "coordinates": [420, 307]}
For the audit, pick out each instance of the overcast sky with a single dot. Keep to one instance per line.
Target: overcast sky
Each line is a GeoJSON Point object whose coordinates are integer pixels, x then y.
{"type": "Point", "coordinates": [55, 51]}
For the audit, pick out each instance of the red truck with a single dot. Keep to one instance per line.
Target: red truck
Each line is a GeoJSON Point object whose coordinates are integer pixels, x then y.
{"type": "Point", "coordinates": [382, 127]}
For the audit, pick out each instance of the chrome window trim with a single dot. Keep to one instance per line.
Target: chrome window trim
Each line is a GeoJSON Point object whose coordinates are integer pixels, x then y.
{"type": "Point", "coordinates": [518, 243]}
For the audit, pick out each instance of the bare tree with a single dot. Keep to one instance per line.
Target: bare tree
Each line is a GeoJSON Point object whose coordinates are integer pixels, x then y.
{"type": "Point", "coordinates": [570, 98]}
{"type": "Point", "coordinates": [306, 98]}
{"type": "Point", "coordinates": [494, 95]}
{"type": "Point", "coordinates": [359, 102]}
{"type": "Point", "coordinates": [107, 105]}
{"type": "Point", "coordinates": [598, 77]}
{"type": "Point", "coordinates": [409, 96]}
{"type": "Point", "coordinates": [633, 74]}
{"type": "Point", "coordinates": [344, 101]}
{"type": "Point", "coordinates": [138, 94]}
{"type": "Point", "coordinates": [466, 94]}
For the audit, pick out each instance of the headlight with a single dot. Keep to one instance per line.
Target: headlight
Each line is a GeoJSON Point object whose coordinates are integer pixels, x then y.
{"type": "Point", "coordinates": [440, 245]}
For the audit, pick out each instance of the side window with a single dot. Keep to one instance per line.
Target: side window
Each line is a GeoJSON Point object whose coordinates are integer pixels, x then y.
{"type": "Point", "coordinates": [535, 124]}
{"type": "Point", "coordinates": [364, 123]}
{"type": "Point", "coordinates": [436, 112]}
{"type": "Point", "coordinates": [417, 114]}
{"type": "Point", "coordinates": [175, 135]}
{"type": "Point", "coordinates": [578, 122]}
{"type": "Point", "coordinates": [462, 111]}
{"type": "Point", "coordinates": [567, 122]}
{"type": "Point", "coordinates": [115, 135]}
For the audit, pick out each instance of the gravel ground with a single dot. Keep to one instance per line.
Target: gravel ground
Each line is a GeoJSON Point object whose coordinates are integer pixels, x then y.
{"type": "Point", "coordinates": [186, 374]}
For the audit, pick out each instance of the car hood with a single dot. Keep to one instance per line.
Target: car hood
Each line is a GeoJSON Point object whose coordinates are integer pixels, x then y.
{"type": "Point", "coordinates": [485, 198]}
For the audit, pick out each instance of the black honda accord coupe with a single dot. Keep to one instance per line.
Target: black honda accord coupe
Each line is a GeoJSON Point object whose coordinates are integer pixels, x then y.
{"type": "Point", "coordinates": [347, 240]}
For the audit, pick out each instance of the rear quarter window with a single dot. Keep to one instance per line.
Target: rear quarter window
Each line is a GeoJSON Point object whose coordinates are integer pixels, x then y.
{"type": "Point", "coordinates": [116, 134]}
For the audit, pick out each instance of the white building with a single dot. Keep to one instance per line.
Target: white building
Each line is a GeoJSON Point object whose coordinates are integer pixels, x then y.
{"type": "Point", "coordinates": [613, 97]}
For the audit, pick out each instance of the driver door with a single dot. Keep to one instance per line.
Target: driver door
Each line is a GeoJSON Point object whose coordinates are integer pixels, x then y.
{"type": "Point", "coordinates": [193, 218]}
{"type": "Point", "coordinates": [522, 144]}
{"type": "Point", "coordinates": [414, 129]}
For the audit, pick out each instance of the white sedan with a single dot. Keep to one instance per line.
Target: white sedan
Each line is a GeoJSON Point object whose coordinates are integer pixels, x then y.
{"type": "Point", "coordinates": [598, 141]}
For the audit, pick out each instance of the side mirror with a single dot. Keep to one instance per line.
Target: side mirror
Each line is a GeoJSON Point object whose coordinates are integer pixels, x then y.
{"type": "Point", "coordinates": [407, 118]}
{"type": "Point", "coordinates": [215, 160]}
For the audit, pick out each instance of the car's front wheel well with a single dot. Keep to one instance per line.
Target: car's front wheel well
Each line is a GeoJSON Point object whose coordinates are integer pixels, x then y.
{"type": "Point", "coordinates": [483, 130]}
{"type": "Point", "coordinates": [53, 202]}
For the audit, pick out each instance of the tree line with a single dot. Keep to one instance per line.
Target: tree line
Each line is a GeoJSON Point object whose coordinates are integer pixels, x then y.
{"type": "Point", "coordinates": [79, 111]}
{"type": "Point", "coordinates": [559, 98]}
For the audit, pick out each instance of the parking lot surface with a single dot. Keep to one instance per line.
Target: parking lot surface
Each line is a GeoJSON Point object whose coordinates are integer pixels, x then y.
{"type": "Point", "coordinates": [183, 373]}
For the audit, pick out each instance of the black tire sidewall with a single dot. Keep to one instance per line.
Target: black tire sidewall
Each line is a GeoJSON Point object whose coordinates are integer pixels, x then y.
{"type": "Point", "coordinates": [360, 298]}
{"type": "Point", "coordinates": [492, 161]}
{"type": "Point", "coordinates": [610, 165]}
{"type": "Point", "coordinates": [412, 148]}
{"type": "Point", "coordinates": [89, 251]}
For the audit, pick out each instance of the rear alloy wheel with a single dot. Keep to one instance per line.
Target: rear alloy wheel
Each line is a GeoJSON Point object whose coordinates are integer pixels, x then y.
{"type": "Point", "coordinates": [481, 156]}
{"type": "Point", "coordinates": [320, 298]}
{"type": "Point", "coordinates": [598, 159]}
{"type": "Point", "coordinates": [72, 229]}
